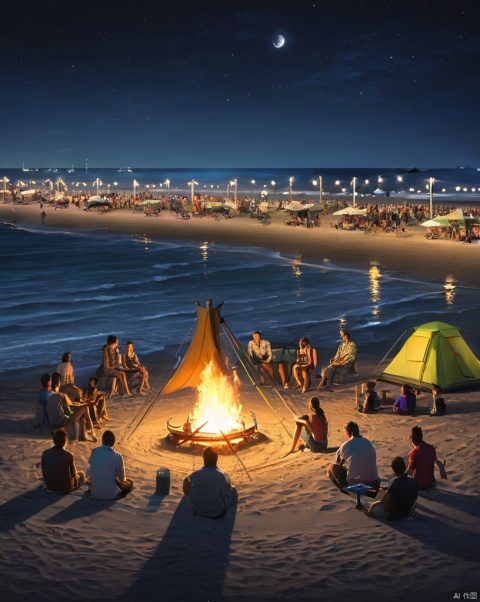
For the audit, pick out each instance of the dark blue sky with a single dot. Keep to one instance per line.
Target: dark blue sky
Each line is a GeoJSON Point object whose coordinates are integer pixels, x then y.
{"type": "Point", "coordinates": [199, 83]}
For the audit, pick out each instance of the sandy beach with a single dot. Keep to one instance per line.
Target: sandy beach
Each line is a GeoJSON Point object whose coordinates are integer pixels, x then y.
{"type": "Point", "coordinates": [294, 536]}
{"type": "Point", "coordinates": [410, 253]}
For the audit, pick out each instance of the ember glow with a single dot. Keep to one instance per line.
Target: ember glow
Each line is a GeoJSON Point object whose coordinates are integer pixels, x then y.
{"type": "Point", "coordinates": [217, 403]}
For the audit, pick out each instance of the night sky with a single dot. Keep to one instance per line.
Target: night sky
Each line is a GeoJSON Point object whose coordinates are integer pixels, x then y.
{"type": "Point", "coordinates": [201, 84]}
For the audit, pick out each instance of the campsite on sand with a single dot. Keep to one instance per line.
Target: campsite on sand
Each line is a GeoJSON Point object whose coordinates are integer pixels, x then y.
{"type": "Point", "coordinates": [294, 535]}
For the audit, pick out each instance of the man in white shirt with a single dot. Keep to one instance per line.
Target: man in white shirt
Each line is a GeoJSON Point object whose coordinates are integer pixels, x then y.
{"type": "Point", "coordinates": [209, 488]}
{"type": "Point", "coordinates": [107, 471]}
{"type": "Point", "coordinates": [260, 354]}
{"type": "Point", "coordinates": [355, 462]}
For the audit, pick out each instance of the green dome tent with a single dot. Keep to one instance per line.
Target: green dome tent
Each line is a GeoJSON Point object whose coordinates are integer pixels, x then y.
{"type": "Point", "coordinates": [436, 353]}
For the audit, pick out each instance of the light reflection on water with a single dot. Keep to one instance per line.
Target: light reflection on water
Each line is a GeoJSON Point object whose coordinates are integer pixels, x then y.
{"type": "Point", "coordinates": [107, 284]}
{"type": "Point", "coordinates": [449, 287]}
{"type": "Point", "coordinates": [374, 276]}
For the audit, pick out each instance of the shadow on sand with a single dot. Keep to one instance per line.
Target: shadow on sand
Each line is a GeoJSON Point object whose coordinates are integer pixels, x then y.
{"type": "Point", "coordinates": [190, 562]}
{"type": "Point", "coordinates": [24, 506]}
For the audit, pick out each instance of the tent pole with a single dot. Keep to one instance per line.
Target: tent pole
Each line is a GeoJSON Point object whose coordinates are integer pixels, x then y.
{"type": "Point", "coordinates": [237, 346]}
{"type": "Point", "coordinates": [236, 455]}
{"type": "Point", "coordinates": [385, 356]}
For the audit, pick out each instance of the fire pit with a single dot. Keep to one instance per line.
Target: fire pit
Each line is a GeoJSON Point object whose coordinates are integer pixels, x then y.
{"type": "Point", "coordinates": [216, 418]}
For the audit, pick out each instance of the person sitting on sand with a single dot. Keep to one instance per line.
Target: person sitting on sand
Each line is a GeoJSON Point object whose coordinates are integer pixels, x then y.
{"type": "Point", "coordinates": [97, 402]}
{"type": "Point", "coordinates": [260, 354]}
{"type": "Point", "coordinates": [61, 412]}
{"type": "Point", "coordinates": [65, 369]}
{"type": "Point", "coordinates": [42, 398]}
{"type": "Point", "coordinates": [439, 405]}
{"type": "Point", "coordinates": [111, 364]}
{"type": "Point", "coordinates": [306, 362]}
{"type": "Point", "coordinates": [422, 459]}
{"type": "Point", "coordinates": [58, 467]}
{"type": "Point", "coordinates": [341, 362]}
{"type": "Point", "coordinates": [313, 429]}
{"type": "Point", "coordinates": [209, 489]}
{"type": "Point", "coordinates": [131, 362]}
{"type": "Point", "coordinates": [355, 462]}
{"type": "Point", "coordinates": [107, 471]}
{"type": "Point", "coordinates": [399, 498]}
{"type": "Point", "coordinates": [406, 402]}
{"type": "Point", "coordinates": [372, 400]}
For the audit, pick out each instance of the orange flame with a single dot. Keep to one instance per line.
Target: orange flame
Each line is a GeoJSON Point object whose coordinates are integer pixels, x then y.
{"type": "Point", "coordinates": [217, 402]}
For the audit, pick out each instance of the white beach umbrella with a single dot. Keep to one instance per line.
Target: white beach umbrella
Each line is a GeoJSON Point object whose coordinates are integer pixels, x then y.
{"type": "Point", "coordinates": [350, 211]}
{"type": "Point", "coordinates": [431, 223]}
{"type": "Point", "coordinates": [297, 206]}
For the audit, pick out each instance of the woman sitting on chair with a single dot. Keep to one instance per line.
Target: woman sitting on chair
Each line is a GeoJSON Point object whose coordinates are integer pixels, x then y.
{"type": "Point", "coordinates": [315, 434]}
{"type": "Point", "coordinates": [306, 361]}
{"type": "Point", "coordinates": [111, 364]}
{"type": "Point", "coordinates": [139, 377]}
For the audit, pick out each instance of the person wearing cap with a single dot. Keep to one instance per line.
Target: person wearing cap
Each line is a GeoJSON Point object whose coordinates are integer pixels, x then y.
{"type": "Point", "coordinates": [260, 354]}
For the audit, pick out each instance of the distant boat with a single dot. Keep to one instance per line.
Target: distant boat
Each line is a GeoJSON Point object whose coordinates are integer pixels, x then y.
{"type": "Point", "coordinates": [125, 169]}
{"type": "Point", "coordinates": [24, 168]}
{"type": "Point", "coordinates": [71, 170]}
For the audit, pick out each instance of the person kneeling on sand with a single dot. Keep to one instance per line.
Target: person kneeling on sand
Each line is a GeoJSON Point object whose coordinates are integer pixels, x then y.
{"type": "Point", "coordinates": [107, 471]}
{"type": "Point", "coordinates": [313, 429]}
{"type": "Point", "coordinates": [399, 498]}
{"type": "Point", "coordinates": [355, 462]}
{"type": "Point", "coordinates": [209, 489]}
{"type": "Point", "coordinates": [58, 466]}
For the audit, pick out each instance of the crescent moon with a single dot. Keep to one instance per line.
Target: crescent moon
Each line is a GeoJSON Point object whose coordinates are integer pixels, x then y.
{"type": "Point", "coordinates": [279, 41]}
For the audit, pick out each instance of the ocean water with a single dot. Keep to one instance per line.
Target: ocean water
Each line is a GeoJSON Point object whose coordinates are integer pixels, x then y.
{"type": "Point", "coordinates": [451, 185]}
{"type": "Point", "coordinates": [68, 290]}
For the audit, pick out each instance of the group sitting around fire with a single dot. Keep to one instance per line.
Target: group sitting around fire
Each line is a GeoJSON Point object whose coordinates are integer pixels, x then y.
{"type": "Point", "coordinates": [61, 403]}
{"type": "Point", "coordinates": [66, 411]}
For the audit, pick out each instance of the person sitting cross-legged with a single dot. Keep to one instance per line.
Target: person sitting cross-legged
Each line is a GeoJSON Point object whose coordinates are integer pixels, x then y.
{"type": "Point", "coordinates": [107, 471]}
{"type": "Point", "coordinates": [355, 462]}
{"type": "Point", "coordinates": [399, 498]}
{"type": "Point", "coordinates": [422, 459]}
{"type": "Point", "coordinates": [209, 489]}
{"type": "Point", "coordinates": [58, 467]}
